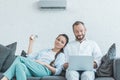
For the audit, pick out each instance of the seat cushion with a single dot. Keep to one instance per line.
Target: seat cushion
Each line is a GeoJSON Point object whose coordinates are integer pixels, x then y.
{"type": "Point", "coordinates": [53, 78]}
{"type": "Point", "coordinates": [34, 78]}
{"type": "Point", "coordinates": [104, 78]}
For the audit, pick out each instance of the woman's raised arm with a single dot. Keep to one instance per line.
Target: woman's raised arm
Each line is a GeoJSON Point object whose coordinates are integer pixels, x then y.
{"type": "Point", "coordinates": [31, 42]}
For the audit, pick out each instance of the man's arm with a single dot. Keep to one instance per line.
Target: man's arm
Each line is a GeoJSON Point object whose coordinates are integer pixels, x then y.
{"type": "Point", "coordinates": [97, 55]}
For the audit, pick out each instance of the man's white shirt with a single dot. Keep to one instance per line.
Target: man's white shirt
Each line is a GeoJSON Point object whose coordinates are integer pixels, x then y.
{"type": "Point", "coordinates": [85, 48]}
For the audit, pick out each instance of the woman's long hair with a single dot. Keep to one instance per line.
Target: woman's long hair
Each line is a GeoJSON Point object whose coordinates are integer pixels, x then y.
{"type": "Point", "coordinates": [67, 40]}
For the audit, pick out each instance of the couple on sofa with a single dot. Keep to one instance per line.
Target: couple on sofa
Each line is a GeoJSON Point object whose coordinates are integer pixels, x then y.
{"type": "Point", "coordinates": [53, 61]}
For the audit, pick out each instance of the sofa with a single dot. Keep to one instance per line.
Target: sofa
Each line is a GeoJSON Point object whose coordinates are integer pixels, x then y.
{"type": "Point", "coordinates": [7, 56]}
{"type": "Point", "coordinates": [115, 76]}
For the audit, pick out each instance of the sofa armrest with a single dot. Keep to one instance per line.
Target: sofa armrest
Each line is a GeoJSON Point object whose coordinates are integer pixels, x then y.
{"type": "Point", "coordinates": [116, 67]}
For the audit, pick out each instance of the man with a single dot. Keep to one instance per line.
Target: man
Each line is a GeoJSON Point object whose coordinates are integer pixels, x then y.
{"type": "Point", "coordinates": [81, 46]}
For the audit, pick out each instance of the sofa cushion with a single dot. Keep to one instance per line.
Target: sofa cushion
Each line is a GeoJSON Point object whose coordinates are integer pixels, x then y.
{"type": "Point", "coordinates": [23, 53]}
{"type": "Point", "coordinates": [104, 78]}
{"type": "Point", "coordinates": [1, 75]}
{"type": "Point", "coordinates": [116, 67]}
{"type": "Point", "coordinates": [106, 66]}
{"type": "Point", "coordinates": [33, 78]}
{"type": "Point", "coordinates": [53, 78]}
{"type": "Point", "coordinates": [10, 58]}
{"type": "Point", "coordinates": [12, 47]}
{"type": "Point", "coordinates": [4, 53]}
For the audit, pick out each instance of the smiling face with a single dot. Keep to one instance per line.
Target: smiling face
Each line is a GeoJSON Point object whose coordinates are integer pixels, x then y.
{"type": "Point", "coordinates": [79, 31]}
{"type": "Point", "coordinates": [60, 42]}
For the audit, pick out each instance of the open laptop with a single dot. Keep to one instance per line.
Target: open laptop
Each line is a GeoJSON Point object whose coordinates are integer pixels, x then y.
{"type": "Point", "coordinates": [80, 63]}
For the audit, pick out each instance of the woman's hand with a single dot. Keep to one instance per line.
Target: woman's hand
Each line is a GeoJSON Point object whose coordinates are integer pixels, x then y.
{"type": "Point", "coordinates": [31, 38]}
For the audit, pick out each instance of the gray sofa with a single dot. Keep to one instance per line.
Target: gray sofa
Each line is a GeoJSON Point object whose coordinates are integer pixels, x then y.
{"type": "Point", "coordinates": [116, 74]}
{"type": "Point", "coordinates": [7, 56]}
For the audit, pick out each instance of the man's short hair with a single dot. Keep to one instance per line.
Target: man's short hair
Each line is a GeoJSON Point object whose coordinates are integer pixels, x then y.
{"type": "Point", "coordinates": [77, 23]}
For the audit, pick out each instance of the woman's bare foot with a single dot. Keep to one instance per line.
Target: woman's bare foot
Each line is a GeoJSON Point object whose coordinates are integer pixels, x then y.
{"type": "Point", "coordinates": [4, 78]}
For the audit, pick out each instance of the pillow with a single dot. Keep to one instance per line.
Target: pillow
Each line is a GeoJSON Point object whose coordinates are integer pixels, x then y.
{"type": "Point", "coordinates": [4, 53]}
{"type": "Point", "coordinates": [23, 53]}
{"type": "Point", "coordinates": [12, 47]}
{"type": "Point", "coordinates": [10, 58]}
{"type": "Point", "coordinates": [106, 67]}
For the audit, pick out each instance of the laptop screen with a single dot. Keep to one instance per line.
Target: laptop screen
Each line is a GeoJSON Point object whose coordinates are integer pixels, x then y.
{"type": "Point", "coordinates": [80, 63]}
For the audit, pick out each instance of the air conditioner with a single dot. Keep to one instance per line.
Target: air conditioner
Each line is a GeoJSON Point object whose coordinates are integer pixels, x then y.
{"type": "Point", "coordinates": [52, 4]}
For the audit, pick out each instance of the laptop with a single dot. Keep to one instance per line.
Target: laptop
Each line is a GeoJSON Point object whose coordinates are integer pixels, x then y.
{"type": "Point", "coordinates": [81, 63]}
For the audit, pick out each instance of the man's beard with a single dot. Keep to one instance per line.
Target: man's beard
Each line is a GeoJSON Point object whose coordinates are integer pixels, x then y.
{"type": "Point", "coordinates": [80, 37]}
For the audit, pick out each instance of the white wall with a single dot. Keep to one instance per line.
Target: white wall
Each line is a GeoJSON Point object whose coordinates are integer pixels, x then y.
{"type": "Point", "coordinates": [21, 18]}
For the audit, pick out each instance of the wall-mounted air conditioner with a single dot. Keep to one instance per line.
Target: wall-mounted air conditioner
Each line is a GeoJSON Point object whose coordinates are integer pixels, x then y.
{"type": "Point", "coordinates": [52, 4]}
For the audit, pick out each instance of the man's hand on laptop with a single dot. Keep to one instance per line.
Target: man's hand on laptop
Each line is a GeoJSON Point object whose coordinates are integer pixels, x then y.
{"type": "Point", "coordinates": [95, 65]}
{"type": "Point", "coordinates": [65, 65]}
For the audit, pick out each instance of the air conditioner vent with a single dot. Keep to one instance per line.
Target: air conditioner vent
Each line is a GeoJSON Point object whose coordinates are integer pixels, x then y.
{"type": "Point", "coordinates": [52, 4]}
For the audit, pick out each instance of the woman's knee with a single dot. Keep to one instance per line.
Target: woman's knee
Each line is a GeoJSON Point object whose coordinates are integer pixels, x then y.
{"type": "Point", "coordinates": [20, 59]}
{"type": "Point", "coordinates": [20, 66]}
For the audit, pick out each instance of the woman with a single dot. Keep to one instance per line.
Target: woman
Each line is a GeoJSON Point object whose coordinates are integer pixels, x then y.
{"type": "Point", "coordinates": [43, 63]}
